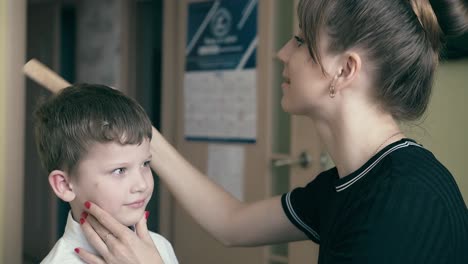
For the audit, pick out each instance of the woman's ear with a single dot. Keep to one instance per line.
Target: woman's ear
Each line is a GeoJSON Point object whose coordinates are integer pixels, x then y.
{"type": "Point", "coordinates": [60, 183]}
{"type": "Point", "coordinates": [351, 67]}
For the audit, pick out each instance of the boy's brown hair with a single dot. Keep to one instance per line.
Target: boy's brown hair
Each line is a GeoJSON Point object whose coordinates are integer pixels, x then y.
{"type": "Point", "coordinates": [83, 114]}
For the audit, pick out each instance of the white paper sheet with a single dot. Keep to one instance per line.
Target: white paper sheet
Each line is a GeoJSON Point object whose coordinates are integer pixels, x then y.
{"type": "Point", "coordinates": [221, 105]}
{"type": "Point", "coordinates": [226, 167]}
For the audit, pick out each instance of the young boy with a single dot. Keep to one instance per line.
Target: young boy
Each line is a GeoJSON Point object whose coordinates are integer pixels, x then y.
{"type": "Point", "coordinates": [95, 144]}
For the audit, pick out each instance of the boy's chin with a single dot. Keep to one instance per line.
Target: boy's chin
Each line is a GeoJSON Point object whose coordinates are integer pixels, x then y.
{"type": "Point", "coordinates": [129, 220]}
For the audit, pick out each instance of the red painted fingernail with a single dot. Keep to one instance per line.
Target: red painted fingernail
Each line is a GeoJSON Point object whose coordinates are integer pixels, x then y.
{"type": "Point", "coordinates": [84, 215]}
{"type": "Point", "coordinates": [147, 214]}
{"type": "Point", "coordinates": [82, 220]}
{"type": "Point", "coordinates": [77, 250]}
{"type": "Point", "coordinates": [87, 204]}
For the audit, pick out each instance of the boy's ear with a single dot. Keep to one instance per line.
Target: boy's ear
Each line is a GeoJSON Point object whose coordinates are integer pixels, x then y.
{"type": "Point", "coordinates": [60, 183]}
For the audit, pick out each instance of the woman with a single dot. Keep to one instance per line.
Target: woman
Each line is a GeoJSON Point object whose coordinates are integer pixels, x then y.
{"type": "Point", "coordinates": [357, 69]}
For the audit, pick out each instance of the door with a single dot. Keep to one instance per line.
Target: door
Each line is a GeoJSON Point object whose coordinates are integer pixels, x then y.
{"type": "Point", "coordinates": [279, 138]}
{"type": "Point", "coordinates": [40, 204]}
{"type": "Point", "coordinates": [294, 168]}
{"type": "Point", "coordinates": [296, 161]}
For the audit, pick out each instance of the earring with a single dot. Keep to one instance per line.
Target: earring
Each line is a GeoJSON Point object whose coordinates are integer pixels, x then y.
{"type": "Point", "coordinates": [333, 83]}
{"type": "Point", "coordinates": [332, 87]}
{"type": "Point", "coordinates": [332, 91]}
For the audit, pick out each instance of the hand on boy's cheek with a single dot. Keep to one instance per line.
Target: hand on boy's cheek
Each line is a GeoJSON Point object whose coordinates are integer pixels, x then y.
{"type": "Point", "coordinates": [121, 211]}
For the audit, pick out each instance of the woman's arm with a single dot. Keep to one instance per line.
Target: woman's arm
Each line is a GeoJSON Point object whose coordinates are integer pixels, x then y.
{"type": "Point", "coordinates": [227, 219]}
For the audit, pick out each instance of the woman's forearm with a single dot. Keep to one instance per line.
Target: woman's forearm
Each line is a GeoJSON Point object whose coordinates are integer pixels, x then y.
{"type": "Point", "coordinates": [228, 220]}
{"type": "Point", "coordinates": [210, 205]}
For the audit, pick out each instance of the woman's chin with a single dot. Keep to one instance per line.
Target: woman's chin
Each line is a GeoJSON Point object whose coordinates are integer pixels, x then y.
{"type": "Point", "coordinates": [290, 109]}
{"type": "Point", "coordinates": [285, 105]}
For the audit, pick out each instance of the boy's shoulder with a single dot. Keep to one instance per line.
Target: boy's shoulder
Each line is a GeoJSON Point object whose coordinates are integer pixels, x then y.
{"type": "Point", "coordinates": [62, 252]}
{"type": "Point", "coordinates": [164, 247]}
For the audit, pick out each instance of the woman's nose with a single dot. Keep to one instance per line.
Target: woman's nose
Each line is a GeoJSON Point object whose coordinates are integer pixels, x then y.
{"type": "Point", "coordinates": [284, 52]}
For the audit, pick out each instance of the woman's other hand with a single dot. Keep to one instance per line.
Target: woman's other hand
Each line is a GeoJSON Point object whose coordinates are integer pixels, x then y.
{"type": "Point", "coordinates": [115, 242]}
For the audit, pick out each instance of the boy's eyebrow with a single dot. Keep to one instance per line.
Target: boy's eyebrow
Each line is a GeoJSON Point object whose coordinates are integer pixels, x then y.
{"type": "Point", "coordinates": [118, 164]}
{"type": "Point", "coordinates": [126, 163]}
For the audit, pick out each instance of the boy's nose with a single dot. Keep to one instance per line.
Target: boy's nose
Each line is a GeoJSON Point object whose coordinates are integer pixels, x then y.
{"type": "Point", "coordinates": [140, 183]}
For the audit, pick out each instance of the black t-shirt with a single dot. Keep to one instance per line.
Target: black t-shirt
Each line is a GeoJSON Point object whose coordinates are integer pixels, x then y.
{"type": "Point", "coordinates": [402, 206]}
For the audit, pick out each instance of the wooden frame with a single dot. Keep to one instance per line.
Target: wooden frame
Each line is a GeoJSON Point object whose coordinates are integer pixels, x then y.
{"type": "Point", "coordinates": [11, 204]}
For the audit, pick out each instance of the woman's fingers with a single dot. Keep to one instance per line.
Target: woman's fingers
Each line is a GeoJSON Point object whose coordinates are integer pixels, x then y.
{"type": "Point", "coordinates": [142, 229]}
{"type": "Point", "coordinates": [88, 257]}
{"type": "Point", "coordinates": [94, 238]}
{"type": "Point", "coordinates": [115, 242]}
{"type": "Point", "coordinates": [100, 229]}
{"type": "Point", "coordinates": [106, 220]}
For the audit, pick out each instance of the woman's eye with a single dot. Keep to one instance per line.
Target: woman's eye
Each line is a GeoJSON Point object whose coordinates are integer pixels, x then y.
{"type": "Point", "coordinates": [146, 164]}
{"type": "Point", "coordinates": [299, 40]}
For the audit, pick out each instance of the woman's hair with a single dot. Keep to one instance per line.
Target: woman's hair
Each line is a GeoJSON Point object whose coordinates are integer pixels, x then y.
{"type": "Point", "coordinates": [401, 39]}
{"type": "Point", "coordinates": [68, 123]}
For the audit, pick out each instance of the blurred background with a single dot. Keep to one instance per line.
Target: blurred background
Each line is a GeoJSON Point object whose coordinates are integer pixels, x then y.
{"type": "Point", "coordinates": [139, 47]}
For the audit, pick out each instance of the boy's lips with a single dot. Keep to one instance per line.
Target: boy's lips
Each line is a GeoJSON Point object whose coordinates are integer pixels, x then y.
{"type": "Point", "coordinates": [137, 204]}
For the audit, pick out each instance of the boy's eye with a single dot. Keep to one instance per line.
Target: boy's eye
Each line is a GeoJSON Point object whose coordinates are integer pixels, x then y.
{"type": "Point", "coordinates": [146, 164]}
{"type": "Point", "coordinates": [300, 41]}
{"type": "Point", "coordinates": [119, 171]}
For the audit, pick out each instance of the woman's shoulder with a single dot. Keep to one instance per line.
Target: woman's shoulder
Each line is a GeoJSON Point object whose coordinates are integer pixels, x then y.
{"type": "Point", "coordinates": [416, 163]}
{"type": "Point", "coordinates": [416, 172]}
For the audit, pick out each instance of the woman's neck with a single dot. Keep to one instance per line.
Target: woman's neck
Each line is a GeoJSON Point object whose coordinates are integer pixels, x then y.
{"type": "Point", "coordinates": [354, 137]}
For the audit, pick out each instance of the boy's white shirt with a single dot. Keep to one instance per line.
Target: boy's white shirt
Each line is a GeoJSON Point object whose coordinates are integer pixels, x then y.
{"type": "Point", "coordinates": [73, 237]}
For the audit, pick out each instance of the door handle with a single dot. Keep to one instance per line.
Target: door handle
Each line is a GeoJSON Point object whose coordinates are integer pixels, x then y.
{"type": "Point", "coordinates": [304, 160]}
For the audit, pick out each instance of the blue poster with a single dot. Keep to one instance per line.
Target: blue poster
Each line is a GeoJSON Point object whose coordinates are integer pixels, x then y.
{"type": "Point", "coordinates": [222, 35]}
{"type": "Point", "coordinates": [220, 92]}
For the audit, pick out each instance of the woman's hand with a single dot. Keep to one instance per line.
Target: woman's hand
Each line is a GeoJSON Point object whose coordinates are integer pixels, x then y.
{"type": "Point", "coordinates": [115, 242]}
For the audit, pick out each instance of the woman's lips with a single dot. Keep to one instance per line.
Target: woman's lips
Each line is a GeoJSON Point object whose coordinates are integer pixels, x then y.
{"type": "Point", "coordinates": [285, 83]}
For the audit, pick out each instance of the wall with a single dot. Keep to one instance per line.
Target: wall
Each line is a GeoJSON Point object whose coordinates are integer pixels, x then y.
{"type": "Point", "coordinates": [99, 47]}
{"type": "Point", "coordinates": [444, 130]}
{"type": "Point", "coordinates": [2, 113]}
{"type": "Point", "coordinates": [12, 50]}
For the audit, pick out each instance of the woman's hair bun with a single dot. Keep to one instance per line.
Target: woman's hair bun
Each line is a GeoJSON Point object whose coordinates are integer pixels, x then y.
{"type": "Point", "coordinates": [452, 16]}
